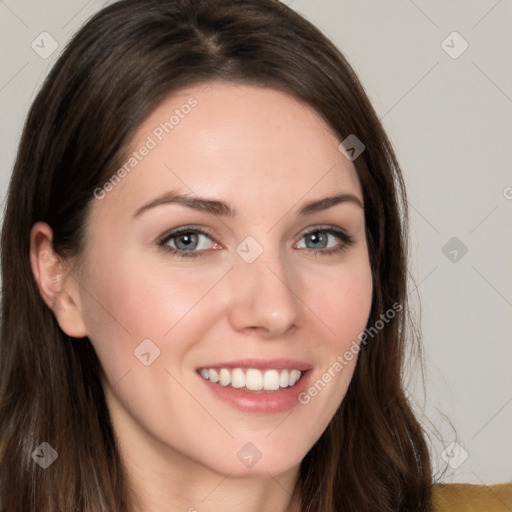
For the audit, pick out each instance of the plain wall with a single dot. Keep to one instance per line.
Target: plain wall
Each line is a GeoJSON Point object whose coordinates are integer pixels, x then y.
{"type": "Point", "coordinates": [449, 119]}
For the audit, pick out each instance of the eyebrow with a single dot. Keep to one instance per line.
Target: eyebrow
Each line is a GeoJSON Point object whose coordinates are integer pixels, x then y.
{"type": "Point", "coordinates": [222, 209]}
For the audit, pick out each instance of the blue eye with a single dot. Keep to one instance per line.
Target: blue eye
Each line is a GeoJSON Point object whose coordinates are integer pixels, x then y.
{"type": "Point", "coordinates": [185, 242]}
{"type": "Point", "coordinates": [320, 235]}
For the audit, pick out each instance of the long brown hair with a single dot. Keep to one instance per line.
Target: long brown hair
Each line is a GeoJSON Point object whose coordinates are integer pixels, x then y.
{"type": "Point", "coordinates": [111, 76]}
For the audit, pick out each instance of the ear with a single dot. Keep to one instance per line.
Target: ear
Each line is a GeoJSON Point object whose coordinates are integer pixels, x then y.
{"type": "Point", "coordinates": [58, 288]}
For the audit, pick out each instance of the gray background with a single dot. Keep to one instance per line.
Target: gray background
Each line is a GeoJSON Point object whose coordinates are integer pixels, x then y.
{"type": "Point", "coordinates": [448, 114]}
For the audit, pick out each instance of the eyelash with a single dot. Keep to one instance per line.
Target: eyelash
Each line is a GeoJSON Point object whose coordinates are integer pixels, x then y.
{"type": "Point", "coordinates": [347, 241]}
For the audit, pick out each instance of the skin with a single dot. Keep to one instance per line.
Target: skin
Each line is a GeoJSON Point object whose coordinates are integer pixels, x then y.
{"type": "Point", "coordinates": [266, 154]}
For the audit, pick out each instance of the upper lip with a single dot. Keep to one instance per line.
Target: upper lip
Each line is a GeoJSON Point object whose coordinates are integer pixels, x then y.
{"type": "Point", "coordinates": [262, 364]}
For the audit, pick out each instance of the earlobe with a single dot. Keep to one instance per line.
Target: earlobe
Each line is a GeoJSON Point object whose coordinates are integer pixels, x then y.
{"type": "Point", "coordinates": [58, 288]}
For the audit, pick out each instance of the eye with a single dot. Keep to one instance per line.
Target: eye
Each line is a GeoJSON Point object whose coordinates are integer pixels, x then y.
{"type": "Point", "coordinates": [191, 241]}
{"type": "Point", "coordinates": [319, 237]}
{"type": "Point", "coordinates": [186, 242]}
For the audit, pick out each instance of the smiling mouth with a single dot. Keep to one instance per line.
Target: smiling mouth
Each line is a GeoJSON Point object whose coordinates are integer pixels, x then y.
{"type": "Point", "coordinates": [252, 379]}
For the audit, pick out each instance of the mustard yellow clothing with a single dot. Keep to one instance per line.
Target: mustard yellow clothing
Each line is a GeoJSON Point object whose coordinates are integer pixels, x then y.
{"type": "Point", "coordinates": [472, 498]}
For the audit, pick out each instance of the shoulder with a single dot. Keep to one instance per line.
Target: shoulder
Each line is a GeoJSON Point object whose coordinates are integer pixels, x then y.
{"type": "Point", "coordinates": [472, 498]}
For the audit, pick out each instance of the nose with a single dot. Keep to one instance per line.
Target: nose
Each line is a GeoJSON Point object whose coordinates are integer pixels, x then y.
{"type": "Point", "coordinates": [263, 299]}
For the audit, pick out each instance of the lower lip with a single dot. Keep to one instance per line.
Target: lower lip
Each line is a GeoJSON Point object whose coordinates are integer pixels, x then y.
{"type": "Point", "coordinates": [261, 402]}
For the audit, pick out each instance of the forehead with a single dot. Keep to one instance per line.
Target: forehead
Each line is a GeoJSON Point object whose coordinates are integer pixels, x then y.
{"type": "Point", "coordinates": [235, 142]}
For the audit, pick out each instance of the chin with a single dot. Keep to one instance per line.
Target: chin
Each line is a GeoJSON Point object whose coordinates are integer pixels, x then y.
{"type": "Point", "coordinates": [259, 459]}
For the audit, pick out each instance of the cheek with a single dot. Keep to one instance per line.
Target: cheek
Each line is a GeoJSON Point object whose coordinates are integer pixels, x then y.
{"type": "Point", "coordinates": [132, 301]}
{"type": "Point", "coordinates": [343, 302]}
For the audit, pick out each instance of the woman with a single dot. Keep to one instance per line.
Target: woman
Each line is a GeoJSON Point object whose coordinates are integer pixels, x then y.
{"type": "Point", "coordinates": [203, 260]}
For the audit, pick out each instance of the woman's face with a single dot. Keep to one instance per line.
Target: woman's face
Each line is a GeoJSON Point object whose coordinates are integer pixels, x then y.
{"type": "Point", "coordinates": [250, 298]}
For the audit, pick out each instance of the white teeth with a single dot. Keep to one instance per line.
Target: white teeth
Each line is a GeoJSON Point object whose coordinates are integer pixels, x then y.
{"type": "Point", "coordinates": [271, 380]}
{"type": "Point", "coordinates": [284, 379]}
{"type": "Point", "coordinates": [252, 378]}
{"type": "Point", "coordinates": [237, 378]}
{"type": "Point", "coordinates": [213, 375]}
{"type": "Point", "coordinates": [294, 377]}
{"type": "Point", "coordinates": [225, 377]}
